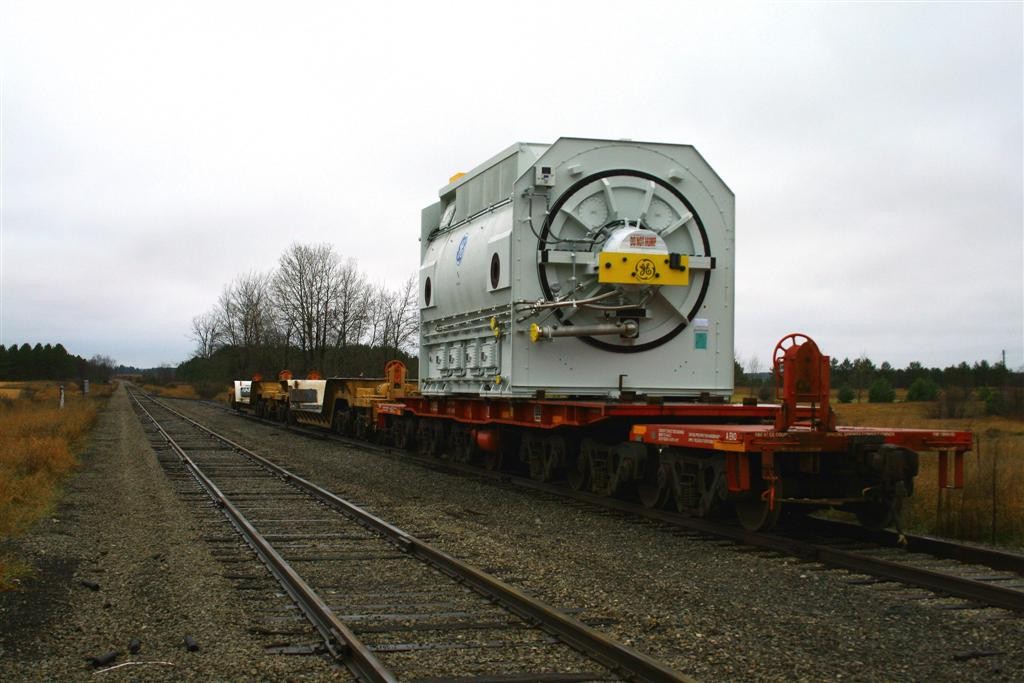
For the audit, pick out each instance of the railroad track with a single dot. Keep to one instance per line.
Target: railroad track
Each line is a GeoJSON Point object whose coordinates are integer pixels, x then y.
{"type": "Point", "coordinates": [386, 604]}
{"type": "Point", "coordinates": [971, 573]}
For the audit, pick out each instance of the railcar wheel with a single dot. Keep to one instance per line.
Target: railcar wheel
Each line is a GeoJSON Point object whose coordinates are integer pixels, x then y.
{"type": "Point", "coordinates": [465, 453]}
{"type": "Point", "coordinates": [682, 480]}
{"type": "Point", "coordinates": [438, 439]}
{"type": "Point", "coordinates": [430, 437]}
{"type": "Point", "coordinates": [556, 451]}
{"type": "Point", "coordinates": [509, 440]}
{"type": "Point", "coordinates": [340, 419]}
{"type": "Point", "coordinates": [611, 478]}
{"type": "Point", "coordinates": [755, 515]}
{"type": "Point", "coordinates": [494, 460]}
{"type": "Point", "coordinates": [531, 452]}
{"type": "Point", "coordinates": [462, 444]}
{"type": "Point", "coordinates": [577, 472]}
{"type": "Point", "coordinates": [350, 422]}
{"type": "Point", "coordinates": [874, 516]}
{"type": "Point", "coordinates": [362, 427]}
{"type": "Point", "coordinates": [423, 438]}
{"type": "Point", "coordinates": [655, 488]}
{"type": "Point", "coordinates": [545, 456]}
{"type": "Point", "coordinates": [405, 433]}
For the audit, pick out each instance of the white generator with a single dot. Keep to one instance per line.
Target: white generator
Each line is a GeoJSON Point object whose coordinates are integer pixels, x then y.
{"type": "Point", "coordinates": [584, 268]}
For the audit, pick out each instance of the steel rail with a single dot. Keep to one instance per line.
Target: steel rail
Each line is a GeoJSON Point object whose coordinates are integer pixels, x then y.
{"type": "Point", "coordinates": [956, 586]}
{"type": "Point", "coordinates": [939, 547]}
{"type": "Point", "coordinates": [342, 643]}
{"type": "Point", "coordinates": [621, 658]}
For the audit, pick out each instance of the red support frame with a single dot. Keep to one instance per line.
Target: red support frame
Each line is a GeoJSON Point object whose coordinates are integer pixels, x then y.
{"type": "Point", "coordinates": [756, 438]}
{"type": "Point", "coordinates": [550, 413]}
{"type": "Point", "coordinates": [737, 472]}
{"type": "Point", "coordinates": [802, 375]}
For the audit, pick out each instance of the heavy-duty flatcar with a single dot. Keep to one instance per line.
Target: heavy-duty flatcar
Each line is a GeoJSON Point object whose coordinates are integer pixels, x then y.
{"type": "Point", "coordinates": [265, 398]}
{"type": "Point", "coordinates": [576, 320]}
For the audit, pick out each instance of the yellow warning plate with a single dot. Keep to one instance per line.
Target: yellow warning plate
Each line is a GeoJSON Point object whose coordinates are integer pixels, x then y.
{"type": "Point", "coordinates": [625, 268]}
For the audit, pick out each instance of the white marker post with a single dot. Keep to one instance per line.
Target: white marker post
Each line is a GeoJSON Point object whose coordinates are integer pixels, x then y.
{"type": "Point", "coordinates": [62, 397]}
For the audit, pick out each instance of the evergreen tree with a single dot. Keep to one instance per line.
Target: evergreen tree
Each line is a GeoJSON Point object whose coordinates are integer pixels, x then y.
{"type": "Point", "coordinates": [24, 369]}
{"type": "Point", "coordinates": [881, 391]}
{"type": "Point", "coordinates": [923, 389]}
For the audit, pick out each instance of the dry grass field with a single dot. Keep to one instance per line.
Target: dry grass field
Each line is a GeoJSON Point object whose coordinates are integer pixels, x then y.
{"type": "Point", "coordinates": [38, 442]}
{"type": "Point", "coordinates": [993, 473]}
{"type": "Point", "coordinates": [171, 390]}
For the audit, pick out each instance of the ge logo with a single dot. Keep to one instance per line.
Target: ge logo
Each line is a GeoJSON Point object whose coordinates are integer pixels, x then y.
{"type": "Point", "coordinates": [645, 269]}
{"type": "Point", "coordinates": [460, 252]}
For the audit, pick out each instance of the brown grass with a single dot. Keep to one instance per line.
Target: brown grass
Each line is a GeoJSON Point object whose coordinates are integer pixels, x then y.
{"type": "Point", "coordinates": [993, 473]}
{"type": "Point", "coordinates": [38, 442]}
{"type": "Point", "coordinates": [171, 390]}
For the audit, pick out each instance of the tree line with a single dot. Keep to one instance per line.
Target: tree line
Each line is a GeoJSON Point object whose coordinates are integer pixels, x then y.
{"type": "Point", "coordinates": [861, 374]}
{"type": "Point", "coordinates": [999, 389]}
{"type": "Point", "coordinates": [51, 362]}
{"type": "Point", "coordinates": [314, 311]}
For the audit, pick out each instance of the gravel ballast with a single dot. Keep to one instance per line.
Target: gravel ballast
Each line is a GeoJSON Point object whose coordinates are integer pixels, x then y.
{"type": "Point", "coordinates": [709, 609]}
{"type": "Point", "coordinates": [123, 559]}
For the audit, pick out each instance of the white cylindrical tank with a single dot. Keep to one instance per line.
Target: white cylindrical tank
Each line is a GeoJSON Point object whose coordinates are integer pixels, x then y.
{"type": "Point", "coordinates": [581, 268]}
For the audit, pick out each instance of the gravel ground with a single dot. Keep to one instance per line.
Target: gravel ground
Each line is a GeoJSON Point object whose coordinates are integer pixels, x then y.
{"type": "Point", "coordinates": [708, 608]}
{"type": "Point", "coordinates": [120, 526]}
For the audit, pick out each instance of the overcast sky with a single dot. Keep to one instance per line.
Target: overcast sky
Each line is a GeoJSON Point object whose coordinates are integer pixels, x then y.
{"type": "Point", "coordinates": [153, 151]}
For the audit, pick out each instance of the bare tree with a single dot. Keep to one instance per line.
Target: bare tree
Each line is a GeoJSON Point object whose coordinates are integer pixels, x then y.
{"type": "Point", "coordinates": [312, 303]}
{"type": "Point", "coordinates": [394, 318]}
{"type": "Point", "coordinates": [306, 290]}
{"type": "Point", "coordinates": [377, 306]}
{"type": "Point", "coordinates": [405, 317]}
{"type": "Point", "coordinates": [245, 315]}
{"type": "Point", "coordinates": [754, 372]}
{"type": "Point", "coordinates": [102, 367]}
{"type": "Point", "coordinates": [206, 332]}
{"type": "Point", "coordinates": [353, 308]}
